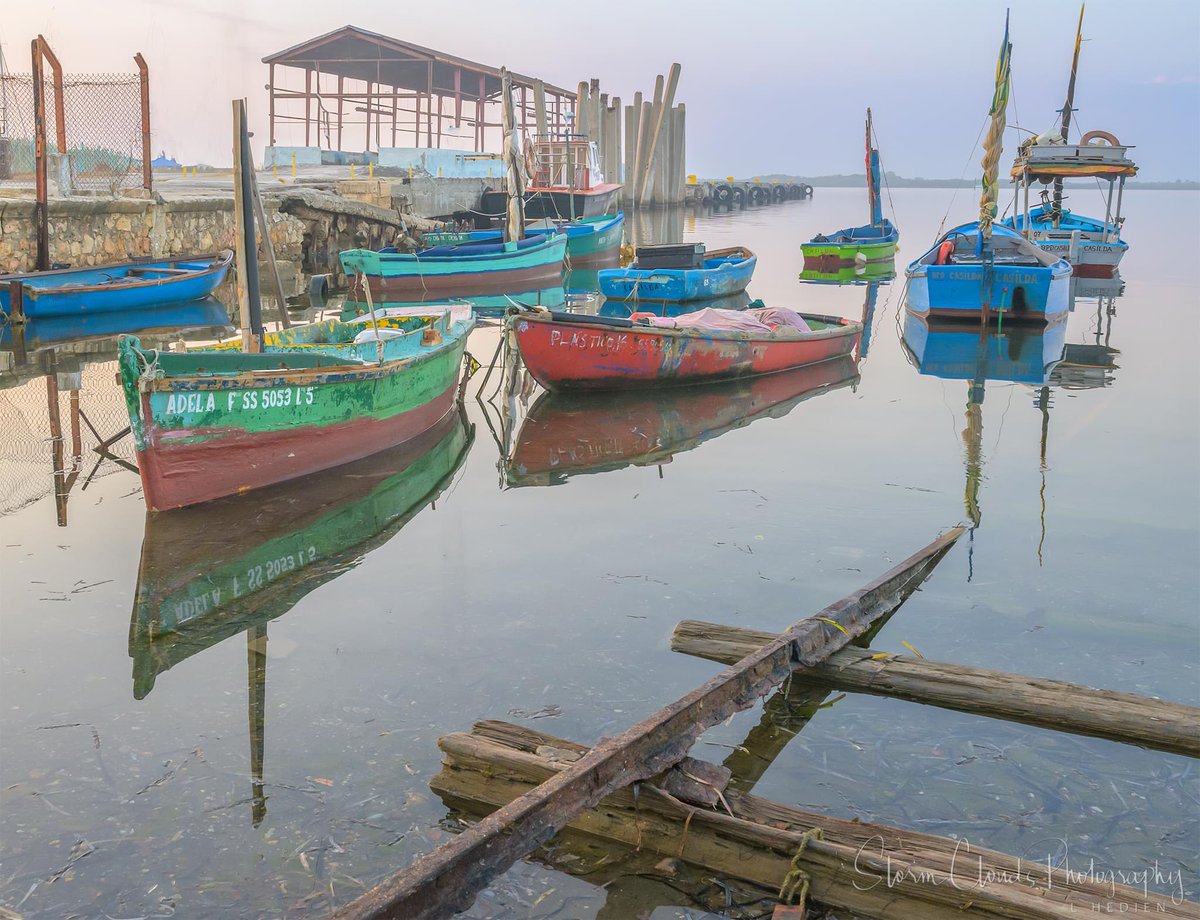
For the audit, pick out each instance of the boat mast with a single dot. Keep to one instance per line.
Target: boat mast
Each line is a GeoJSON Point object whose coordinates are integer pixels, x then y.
{"type": "Point", "coordinates": [872, 181]}
{"type": "Point", "coordinates": [1067, 109]}
{"type": "Point", "coordinates": [993, 145]}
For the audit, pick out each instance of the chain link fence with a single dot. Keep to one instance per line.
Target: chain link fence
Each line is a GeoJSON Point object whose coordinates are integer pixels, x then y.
{"type": "Point", "coordinates": [94, 132]}
{"type": "Point", "coordinates": [27, 455]}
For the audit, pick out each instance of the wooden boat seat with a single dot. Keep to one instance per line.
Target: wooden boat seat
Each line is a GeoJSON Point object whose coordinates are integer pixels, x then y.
{"type": "Point", "coordinates": [150, 270]}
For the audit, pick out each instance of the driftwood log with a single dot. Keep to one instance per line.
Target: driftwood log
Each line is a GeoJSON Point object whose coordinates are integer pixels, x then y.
{"type": "Point", "coordinates": [442, 882]}
{"type": "Point", "coordinates": [869, 869]}
{"type": "Point", "coordinates": [1055, 704]}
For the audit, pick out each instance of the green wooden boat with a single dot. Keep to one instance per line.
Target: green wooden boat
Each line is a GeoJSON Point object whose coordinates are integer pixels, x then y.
{"type": "Point", "coordinates": [856, 248]}
{"type": "Point", "coordinates": [217, 421]}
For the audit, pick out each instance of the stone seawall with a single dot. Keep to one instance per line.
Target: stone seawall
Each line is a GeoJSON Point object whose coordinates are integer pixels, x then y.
{"type": "Point", "coordinates": [308, 227]}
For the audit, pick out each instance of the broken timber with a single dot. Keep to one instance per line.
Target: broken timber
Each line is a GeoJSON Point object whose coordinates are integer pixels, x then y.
{"type": "Point", "coordinates": [446, 880]}
{"type": "Point", "coordinates": [865, 868]}
{"type": "Point", "coordinates": [1163, 726]}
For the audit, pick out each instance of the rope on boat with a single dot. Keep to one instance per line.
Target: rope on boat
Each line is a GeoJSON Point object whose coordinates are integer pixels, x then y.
{"type": "Point", "coordinates": [993, 145]}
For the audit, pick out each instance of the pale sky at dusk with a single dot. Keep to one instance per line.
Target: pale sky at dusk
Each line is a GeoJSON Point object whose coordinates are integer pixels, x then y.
{"type": "Point", "coordinates": [769, 86]}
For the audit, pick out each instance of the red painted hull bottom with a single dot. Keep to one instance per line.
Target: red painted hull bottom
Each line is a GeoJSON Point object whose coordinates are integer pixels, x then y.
{"type": "Point", "coordinates": [563, 356]}
{"type": "Point", "coordinates": [1093, 270]}
{"type": "Point", "coordinates": [176, 475]}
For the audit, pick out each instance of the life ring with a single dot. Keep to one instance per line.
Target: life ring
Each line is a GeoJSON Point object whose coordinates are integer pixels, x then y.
{"type": "Point", "coordinates": [944, 253]}
{"type": "Point", "coordinates": [1111, 139]}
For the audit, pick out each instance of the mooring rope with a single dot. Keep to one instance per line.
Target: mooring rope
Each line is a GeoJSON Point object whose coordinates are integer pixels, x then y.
{"type": "Point", "coordinates": [797, 881]}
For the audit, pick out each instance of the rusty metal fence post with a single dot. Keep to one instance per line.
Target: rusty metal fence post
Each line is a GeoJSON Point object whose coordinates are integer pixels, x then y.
{"type": "Point", "coordinates": [144, 86]}
{"type": "Point", "coordinates": [40, 209]}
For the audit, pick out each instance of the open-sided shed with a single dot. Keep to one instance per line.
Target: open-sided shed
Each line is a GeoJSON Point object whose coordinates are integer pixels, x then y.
{"type": "Point", "coordinates": [364, 91]}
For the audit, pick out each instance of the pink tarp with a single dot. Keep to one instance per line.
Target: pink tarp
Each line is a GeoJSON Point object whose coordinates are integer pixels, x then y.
{"type": "Point", "coordinates": [763, 321]}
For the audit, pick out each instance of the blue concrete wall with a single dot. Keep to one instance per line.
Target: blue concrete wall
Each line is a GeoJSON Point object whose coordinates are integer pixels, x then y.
{"type": "Point", "coordinates": [453, 163]}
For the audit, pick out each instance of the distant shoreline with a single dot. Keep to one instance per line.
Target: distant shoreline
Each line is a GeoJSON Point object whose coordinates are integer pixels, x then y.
{"type": "Point", "coordinates": [892, 181]}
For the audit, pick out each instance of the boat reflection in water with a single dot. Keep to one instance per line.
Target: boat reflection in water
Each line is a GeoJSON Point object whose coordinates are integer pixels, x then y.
{"type": "Point", "coordinates": [233, 565]}
{"type": "Point", "coordinates": [1087, 365]}
{"type": "Point", "coordinates": [1017, 354]}
{"type": "Point", "coordinates": [567, 434]}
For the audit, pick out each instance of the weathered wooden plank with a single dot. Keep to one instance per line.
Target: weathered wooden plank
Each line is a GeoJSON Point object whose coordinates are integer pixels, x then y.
{"type": "Point", "coordinates": [1056, 704]}
{"type": "Point", "coordinates": [869, 869]}
{"type": "Point", "coordinates": [447, 879]}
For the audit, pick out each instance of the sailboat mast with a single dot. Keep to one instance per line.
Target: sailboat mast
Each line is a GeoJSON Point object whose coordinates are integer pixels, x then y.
{"type": "Point", "coordinates": [1067, 109]}
{"type": "Point", "coordinates": [993, 144]}
{"type": "Point", "coordinates": [870, 173]}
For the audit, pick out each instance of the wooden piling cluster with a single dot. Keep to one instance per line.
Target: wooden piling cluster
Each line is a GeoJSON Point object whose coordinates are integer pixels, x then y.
{"type": "Point", "coordinates": [643, 144]}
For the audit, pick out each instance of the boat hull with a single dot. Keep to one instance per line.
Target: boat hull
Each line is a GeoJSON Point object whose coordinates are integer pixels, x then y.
{"type": "Point", "coordinates": [136, 285]}
{"type": "Point", "coordinates": [204, 436]}
{"type": "Point", "coordinates": [563, 353]}
{"type": "Point", "coordinates": [1093, 248]}
{"type": "Point", "coordinates": [1016, 292]}
{"type": "Point", "coordinates": [401, 277]}
{"type": "Point", "coordinates": [676, 285]}
{"type": "Point", "coordinates": [557, 203]}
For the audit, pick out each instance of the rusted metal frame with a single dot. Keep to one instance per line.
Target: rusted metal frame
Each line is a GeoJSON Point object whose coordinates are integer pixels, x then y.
{"type": "Point", "coordinates": [307, 106]}
{"type": "Point", "coordinates": [60, 117]}
{"type": "Point", "coordinates": [367, 140]}
{"type": "Point", "coordinates": [144, 88]}
{"type": "Point", "coordinates": [395, 112]}
{"type": "Point", "coordinates": [341, 100]}
{"type": "Point", "coordinates": [320, 105]}
{"type": "Point", "coordinates": [271, 103]}
{"type": "Point", "coordinates": [457, 98]}
{"type": "Point", "coordinates": [439, 120]}
{"type": "Point", "coordinates": [446, 880]}
{"type": "Point", "coordinates": [40, 207]}
{"type": "Point", "coordinates": [378, 119]}
{"type": "Point", "coordinates": [482, 110]}
{"type": "Point", "coordinates": [429, 103]}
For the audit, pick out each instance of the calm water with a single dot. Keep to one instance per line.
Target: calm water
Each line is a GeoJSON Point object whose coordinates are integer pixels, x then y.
{"type": "Point", "coordinates": [544, 591]}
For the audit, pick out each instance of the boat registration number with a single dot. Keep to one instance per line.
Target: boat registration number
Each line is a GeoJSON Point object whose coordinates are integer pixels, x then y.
{"type": "Point", "coordinates": [240, 400]}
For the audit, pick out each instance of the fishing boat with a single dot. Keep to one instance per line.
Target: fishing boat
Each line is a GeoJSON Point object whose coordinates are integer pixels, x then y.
{"type": "Point", "coordinates": [481, 305]}
{"type": "Point", "coordinates": [855, 248]}
{"type": "Point", "coordinates": [569, 434]}
{"type": "Point", "coordinates": [136, 285]}
{"type": "Point", "coordinates": [591, 241]}
{"type": "Point", "coordinates": [1093, 246]}
{"type": "Point", "coordinates": [712, 274]}
{"type": "Point", "coordinates": [459, 269]}
{"type": "Point", "coordinates": [984, 271]}
{"type": "Point", "coordinates": [220, 421]}
{"type": "Point", "coordinates": [566, 182]}
{"type": "Point", "coordinates": [566, 351]}
{"type": "Point", "coordinates": [623, 309]}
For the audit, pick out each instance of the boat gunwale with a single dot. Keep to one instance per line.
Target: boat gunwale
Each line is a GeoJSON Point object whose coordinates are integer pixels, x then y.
{"type": "Point", "coordinates": [406, 259]}
{"type": "Point", "coordinates": [839, 326]}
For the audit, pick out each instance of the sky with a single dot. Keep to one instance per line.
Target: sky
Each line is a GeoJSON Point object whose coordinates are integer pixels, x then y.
{"type": "Point", "coordinates": [770, 86]}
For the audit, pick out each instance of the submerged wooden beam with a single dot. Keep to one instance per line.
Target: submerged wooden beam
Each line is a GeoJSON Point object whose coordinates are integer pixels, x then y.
{"type": "Point", "coordinates": [869, 869]}
{"type": "Point", "coordinates": [1056, 704]}
{"type": "Point", "coordinates": [439, 883]}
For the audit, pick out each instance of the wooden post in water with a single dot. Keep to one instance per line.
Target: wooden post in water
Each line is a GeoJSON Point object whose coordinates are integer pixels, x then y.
{"type": "Point", "coordinates": [514, 228]}
{"type": "Point", "coordinates": [633, 114]}
{"type": "Point", "coordinates": [662, 112]}
{"type": "Point", "coordinates": [243, 226]}
{"type": "Point", "coordinates": [614, 134]}
{"type": "Point", "coordinates": [269, 249]}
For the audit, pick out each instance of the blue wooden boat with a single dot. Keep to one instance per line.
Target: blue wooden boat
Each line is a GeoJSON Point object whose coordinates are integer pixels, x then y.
{"type": "Point", "coordinates": [132, 285]}
{"type": "Point", "coordinates": [591, 241]}
{"type": "Point", "coordinates": [982, 270]}
{"type": "Point", "coordinates": [724, 272]}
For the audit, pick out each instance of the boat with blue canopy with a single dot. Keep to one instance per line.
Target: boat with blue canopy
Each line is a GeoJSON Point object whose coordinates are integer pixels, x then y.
{"type": "Point", "coordinates": [135, 285]}
{"type": "Point", "coordinates": [855, 248]}
{"type": "Point", "coordinates": [984, 271]}
{"type": "Point", "coordinates": [697, 275]}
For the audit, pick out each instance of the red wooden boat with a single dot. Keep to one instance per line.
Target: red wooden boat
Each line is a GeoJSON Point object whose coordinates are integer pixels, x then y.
{"type": "Point", "coordinates": [571, 351]}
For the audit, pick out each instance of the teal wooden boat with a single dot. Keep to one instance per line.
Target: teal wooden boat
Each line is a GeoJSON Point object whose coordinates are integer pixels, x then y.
{"type": "Point", "coordinates": [457, 269]}
{"type": "Point", "coordinates": [591, 241]}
